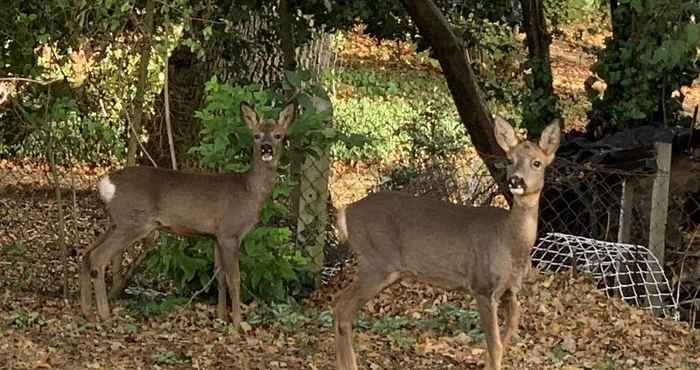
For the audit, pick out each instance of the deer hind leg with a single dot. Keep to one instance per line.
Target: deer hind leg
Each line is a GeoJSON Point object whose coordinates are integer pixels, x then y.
{"type": "Point", "coordinates": [345, 306]}
{"type": "Point", "coordinates": [512, 317]}
{"type": "Point", "coordinates": [229, 250]}
{"type": "Point", "coordinates": [85, 280]}
{"type": "Point", "coordinates": [488, 315]}
{"type": "Point", "coordinates": [120, 239]}
{"type": "Point", "coordinates": [221, 306]}
{"type": "Point", "coordinates": [116, 275]}
{"type": "Point", "coordinates": [119, 280]}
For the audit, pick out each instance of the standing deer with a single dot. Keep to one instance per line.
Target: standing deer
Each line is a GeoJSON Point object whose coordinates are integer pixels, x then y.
{"type": "Point", "coordinates": [140, 200]}
{"type": "Point", "coordinates": [481, 249]}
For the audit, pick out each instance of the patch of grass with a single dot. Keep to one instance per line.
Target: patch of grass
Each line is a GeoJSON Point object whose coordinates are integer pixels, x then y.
{"type": "Point", "coordinates": [290, 317]}
{"type": "Point", "coordinates": [402, 339]}
{"type": "Point", "coordinates": [21, 318]}
{"type": "Point", "coordinates": [145, 308]}
{"type": "Point", "coordinates": [388, 324]}
{"type": "Point", "coordinates": [605, 364]}
{"type": "Point", "coordinates": [452, 320]}
{"type": "Point", "coordinates": [171, 358]}
{"type": "Point", "coordinates": [558, 352]}
{"type": "Point", "coordinates": [14, 249]}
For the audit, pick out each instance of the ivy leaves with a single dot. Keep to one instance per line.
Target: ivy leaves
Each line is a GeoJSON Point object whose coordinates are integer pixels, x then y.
{"type": "Point", "coordinates": [652, 54]}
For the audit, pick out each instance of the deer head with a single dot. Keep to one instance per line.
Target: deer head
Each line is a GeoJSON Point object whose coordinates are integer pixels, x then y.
{"type": "Point", "coordinates": [527, 160]}
{"type": "Point", "coordinates": [268, 134]}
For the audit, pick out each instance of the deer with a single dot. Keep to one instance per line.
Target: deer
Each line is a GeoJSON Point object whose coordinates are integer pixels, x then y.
{"type": "Point", "coordinates": [483, 250]}
{"type": "Point", "coordinates": [226, 206]}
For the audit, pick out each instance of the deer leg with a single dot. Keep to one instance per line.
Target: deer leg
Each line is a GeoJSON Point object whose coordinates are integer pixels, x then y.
{"type": "Point", "coordinates": [102, 255]}
{"type": "Point", "coordinates": [85, 280]}
{"type": "Point", "coordinates": [120, 281]}
{"type": "Point", "coordinates": [488, 315]}
{"type": "Point", "coordinates": [345, 306]}
{"type": "Point", "coordinates": [512, 313]}
{"type": "Point", "coordinates": [221, 309]}
{"type": "Point", "coordinates": [117, 278]}
{"type": "Point", "coordinates": [229, 248]}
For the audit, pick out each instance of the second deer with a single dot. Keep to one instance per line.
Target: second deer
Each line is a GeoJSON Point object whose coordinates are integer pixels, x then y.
{"type": "Point", "coordinates": [481, 249]}
{"type": "Point", "coordinates": [140, 200]}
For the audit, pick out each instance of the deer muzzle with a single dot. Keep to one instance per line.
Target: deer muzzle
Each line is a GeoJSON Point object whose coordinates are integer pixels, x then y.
{"type": "Point", "coordinates": [516, 185]}
{"type": "Point", "coordinates": [266, 152]}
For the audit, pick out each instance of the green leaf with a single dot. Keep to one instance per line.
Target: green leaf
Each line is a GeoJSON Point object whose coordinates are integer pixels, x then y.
{"type": "Point", "coordinates": [693, 34]}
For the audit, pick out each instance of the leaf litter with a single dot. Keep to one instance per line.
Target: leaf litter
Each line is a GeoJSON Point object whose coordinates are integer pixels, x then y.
{"type": "Point", "coordinates": [566, 323]}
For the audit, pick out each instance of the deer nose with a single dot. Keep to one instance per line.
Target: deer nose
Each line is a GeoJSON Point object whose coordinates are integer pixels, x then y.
{"type": "Point", "coordinates": [516, 184]}
{"type": "Point", "coordinates": [266, 149]}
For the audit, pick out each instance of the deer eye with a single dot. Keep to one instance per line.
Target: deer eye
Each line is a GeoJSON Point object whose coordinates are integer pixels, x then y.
{"type": "Point", "coordinates": [257, 136]}
{"type": "Point", "coordinates": [536, 164]}
{"type": "Point", "coordinates": [277, 136]}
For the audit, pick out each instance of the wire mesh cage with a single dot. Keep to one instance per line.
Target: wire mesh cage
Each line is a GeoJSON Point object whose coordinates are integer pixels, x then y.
{"type": "Point", "coordinates": [630, 272]}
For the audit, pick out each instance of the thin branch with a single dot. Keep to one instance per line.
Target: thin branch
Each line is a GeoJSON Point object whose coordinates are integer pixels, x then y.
{"type": "Point", "coordinates": [685, 255]}
{"type": "Point", "coordinates": [133, 132]}
{"type": "Point", "coordinates": [204, 288]}
{"type": "Point", "coordinates": [168, 126]}
{"type": "Point", "coordinates": [24, 79]}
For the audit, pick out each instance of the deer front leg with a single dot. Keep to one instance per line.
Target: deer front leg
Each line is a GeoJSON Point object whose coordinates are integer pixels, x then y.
{"type": "Point", "coordinates": [229, 248]}
{"type": "Point", "coordinates": [512, 313]}
{"type": "Point", "coordinates": [221, 309]}
{"type": "Point", "coordinates": [488, 315]}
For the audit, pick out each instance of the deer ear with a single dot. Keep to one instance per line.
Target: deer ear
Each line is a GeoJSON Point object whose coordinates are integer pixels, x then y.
{"type": "Point", "coordinates": [248, 115]}
{"type": "Point", "coordinates": [505, 135]}
{"type": "Point", "coordinates": [549, 140]}
{"type": "Point", "coordinates": [287, 115]}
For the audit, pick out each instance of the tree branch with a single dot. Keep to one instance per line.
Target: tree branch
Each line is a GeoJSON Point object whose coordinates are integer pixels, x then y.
{"type": "Point", "coordinates": [467, 95]}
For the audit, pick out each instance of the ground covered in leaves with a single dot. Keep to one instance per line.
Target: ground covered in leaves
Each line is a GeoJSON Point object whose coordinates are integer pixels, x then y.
{"type": "Point", "coordinates": [566, 323]}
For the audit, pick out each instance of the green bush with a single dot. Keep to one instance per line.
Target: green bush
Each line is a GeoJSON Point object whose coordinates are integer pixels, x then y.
{"type": "Point", "coordinates": [652, 55]}
{"type": "Point", "coordinates": [72, 135]}
{"type": "Point", "coordinates": [564, 12]}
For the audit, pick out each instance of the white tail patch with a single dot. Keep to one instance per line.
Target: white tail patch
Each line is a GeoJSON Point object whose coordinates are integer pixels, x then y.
{"type": "Point", "coordinates": [107, 189]}
{"type": "Point", "coordinates": [341, 224]}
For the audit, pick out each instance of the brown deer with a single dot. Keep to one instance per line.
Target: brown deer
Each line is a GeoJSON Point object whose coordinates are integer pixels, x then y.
{"type": "Point", "coordinates": [481, 249]}
{"type": "Point", "coordinates": [141, 200]}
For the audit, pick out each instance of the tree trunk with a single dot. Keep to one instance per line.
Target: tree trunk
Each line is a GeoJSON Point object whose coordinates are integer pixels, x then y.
{"type": "Point", "coordinates": [286, 36]}
{"type": "Point", "coordinates": [541, 88]}
{"type": "Point", "coordinates": [141, 84]}
{"type": "Point", "coordinates": [186, 79]}
{"type": "Point", "coordinates": [460, 79]}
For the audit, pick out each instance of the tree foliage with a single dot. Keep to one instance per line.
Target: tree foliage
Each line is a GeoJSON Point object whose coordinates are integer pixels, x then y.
{"type": "Point", "coordinates": [650, 57]}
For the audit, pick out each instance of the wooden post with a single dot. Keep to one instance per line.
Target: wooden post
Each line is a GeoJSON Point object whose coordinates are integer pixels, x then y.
{"type": "Point", "coordinates": [624, 232]}
{"type": "Point", "coordinates": [659, 202]}
{"type": "Point", "coordinates": [313, 194]}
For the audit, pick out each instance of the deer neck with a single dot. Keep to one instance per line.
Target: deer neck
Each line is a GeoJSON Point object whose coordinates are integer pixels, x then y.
{"type": "Point", "coordinates": [260, 179]}
{"type": "Point", "coordinates": [522, 220]}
